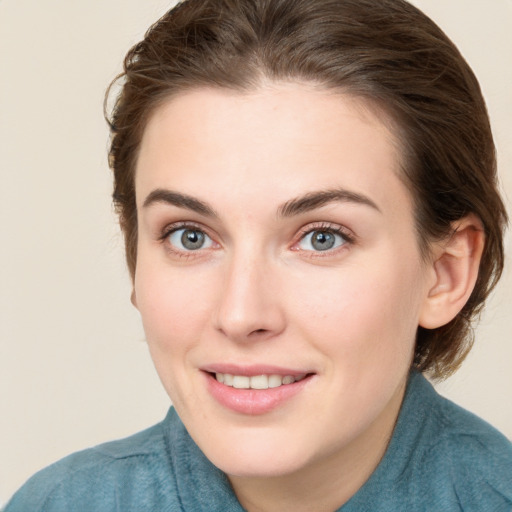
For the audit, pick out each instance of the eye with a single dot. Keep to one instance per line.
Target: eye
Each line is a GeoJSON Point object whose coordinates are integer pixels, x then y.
{"type": "Point", "coordinates": [189, 239]}
{"type": "Point", "coordinates": [322, 240]}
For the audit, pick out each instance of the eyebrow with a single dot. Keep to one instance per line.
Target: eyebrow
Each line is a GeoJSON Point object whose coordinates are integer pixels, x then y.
{"type": "Point", "coordinates": [314, 200]}
{"type": "Point", "coordinates": [180, 200]}
{"type": "Point", "coordinates": [303, 204]}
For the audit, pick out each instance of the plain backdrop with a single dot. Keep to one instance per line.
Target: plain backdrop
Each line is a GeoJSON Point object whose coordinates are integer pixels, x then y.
{"type": "Point", "coordinates": [74, 368]}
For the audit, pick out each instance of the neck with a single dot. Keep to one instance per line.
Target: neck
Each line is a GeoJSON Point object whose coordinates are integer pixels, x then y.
{"type": "Point", "coordinates": [327, 484]}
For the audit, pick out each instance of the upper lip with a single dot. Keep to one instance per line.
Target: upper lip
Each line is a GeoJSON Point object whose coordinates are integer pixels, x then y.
{"type": "Point", "coordinates": [253, 369]}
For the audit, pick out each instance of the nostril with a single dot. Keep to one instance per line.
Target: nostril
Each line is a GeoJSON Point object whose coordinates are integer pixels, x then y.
{"type": "Point", "coordinates": [259, 331]}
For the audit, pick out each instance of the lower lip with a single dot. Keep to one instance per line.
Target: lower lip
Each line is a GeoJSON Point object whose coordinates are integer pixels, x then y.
{"type": "Point", "coordinates": [253, 401]}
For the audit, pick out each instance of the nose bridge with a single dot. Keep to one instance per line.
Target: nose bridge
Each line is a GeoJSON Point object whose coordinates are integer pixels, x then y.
{"type": "Point", "coordinates": [248, 305]}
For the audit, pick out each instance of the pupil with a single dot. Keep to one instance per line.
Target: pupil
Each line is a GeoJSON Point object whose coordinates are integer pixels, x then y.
{"type": "Point", "coordinates": [192, 239]}
{"type": "Point", "coordinates": [322, 241]}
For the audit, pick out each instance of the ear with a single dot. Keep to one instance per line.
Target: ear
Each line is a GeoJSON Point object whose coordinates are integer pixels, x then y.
{"type": "Point", "coordinates": [455, 266]}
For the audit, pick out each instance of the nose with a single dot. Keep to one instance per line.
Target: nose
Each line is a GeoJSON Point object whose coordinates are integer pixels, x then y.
{"type": "Point", "coordinates": [250, 306]}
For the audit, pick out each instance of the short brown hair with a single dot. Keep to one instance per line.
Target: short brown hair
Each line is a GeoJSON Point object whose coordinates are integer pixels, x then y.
{"type": "Point", "coordinates": [388, 52]}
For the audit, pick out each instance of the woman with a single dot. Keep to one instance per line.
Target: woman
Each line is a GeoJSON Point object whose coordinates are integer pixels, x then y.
{"type": "Point", "coordinates": [308, 196]}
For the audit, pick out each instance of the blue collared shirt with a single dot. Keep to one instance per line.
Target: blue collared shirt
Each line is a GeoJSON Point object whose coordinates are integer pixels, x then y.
{"type": "Point", "coordinates": [441, 458]}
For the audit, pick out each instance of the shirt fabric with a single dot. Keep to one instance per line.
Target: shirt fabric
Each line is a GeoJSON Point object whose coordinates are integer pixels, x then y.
{"type": "Point", "coordinates": [441, 458]}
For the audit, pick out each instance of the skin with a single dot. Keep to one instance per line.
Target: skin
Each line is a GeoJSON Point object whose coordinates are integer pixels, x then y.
{"type": "Point", "coordinates": [258, 292]}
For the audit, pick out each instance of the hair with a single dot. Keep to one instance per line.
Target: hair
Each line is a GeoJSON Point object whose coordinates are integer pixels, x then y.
{"type": "Point", "coordinates": [388, 53]}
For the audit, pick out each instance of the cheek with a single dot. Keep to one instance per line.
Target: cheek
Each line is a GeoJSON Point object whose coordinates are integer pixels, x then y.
{"type": "Point", "coordinates": [174, 309]}
{"type": "Point", "coordinates": [361, 313]}
{"type": "Point", "coordinates": [174, 305]}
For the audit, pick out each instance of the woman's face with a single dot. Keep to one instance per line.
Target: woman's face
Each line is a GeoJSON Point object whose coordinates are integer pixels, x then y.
{"type": "Point", "coordinates": [277, 249]}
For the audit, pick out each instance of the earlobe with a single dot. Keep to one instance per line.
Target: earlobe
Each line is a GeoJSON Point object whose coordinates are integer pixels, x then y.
{"type": "Point", "coordinates": [133, 298]}
{"type": "Point", "coordinates": [455, 266]}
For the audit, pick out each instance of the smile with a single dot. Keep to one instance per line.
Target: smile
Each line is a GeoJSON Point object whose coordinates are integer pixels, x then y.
{"type": "Point", "coordinates": [257, 381]}
{"type": "Point", "coordinates": [255, 390]}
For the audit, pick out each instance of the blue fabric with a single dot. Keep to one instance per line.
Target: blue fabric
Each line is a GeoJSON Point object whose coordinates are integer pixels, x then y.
{"type": "Point", "coordinates": [441, 458]}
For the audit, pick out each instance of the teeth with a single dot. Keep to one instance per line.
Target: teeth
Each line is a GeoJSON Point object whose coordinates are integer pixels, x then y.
{"type": "Point", "coordinates": [274, 381]}
{"type": "Point", "coordinates": [257, 381]}
{"type": "Point", "coordinates": [241, 382]}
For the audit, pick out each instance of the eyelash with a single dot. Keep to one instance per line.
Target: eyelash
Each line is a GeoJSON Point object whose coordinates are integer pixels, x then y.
{"type": "Point", "coordinates": [347, 235]}
{"type": "Point", "coordinates": [169, 230]}
{"type": "Point", "coordinates": [343, 232]}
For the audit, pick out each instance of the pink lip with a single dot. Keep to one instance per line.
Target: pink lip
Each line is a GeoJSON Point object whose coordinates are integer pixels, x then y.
{"type": "Point", "coordinates": [254, 401]}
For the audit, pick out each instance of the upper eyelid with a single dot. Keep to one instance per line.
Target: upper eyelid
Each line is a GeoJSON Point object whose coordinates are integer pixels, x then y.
{"type": "Point", "coordinates": [176, 226]}
{"type": "Point", "coordinates": [327, 226]}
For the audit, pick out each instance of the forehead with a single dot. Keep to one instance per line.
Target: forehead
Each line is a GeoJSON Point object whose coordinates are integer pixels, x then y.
{"type": "Point", "coordinates": [287, 137]}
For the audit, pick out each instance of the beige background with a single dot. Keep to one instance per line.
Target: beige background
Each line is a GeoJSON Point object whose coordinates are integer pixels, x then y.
{"type": "Point", "coordinates": [74, 369]}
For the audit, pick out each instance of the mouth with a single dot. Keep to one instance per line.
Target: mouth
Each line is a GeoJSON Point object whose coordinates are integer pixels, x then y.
{"type": "Point", "coordinates": [262, 381]}
{"type": "Point", "coordinates": [255, 391]}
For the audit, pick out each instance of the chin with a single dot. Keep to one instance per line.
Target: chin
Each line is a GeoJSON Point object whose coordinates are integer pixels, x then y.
{"type": "Point", "coordinates": [270, 467]}
{"type": "Point", "coordinates": [257, 456]}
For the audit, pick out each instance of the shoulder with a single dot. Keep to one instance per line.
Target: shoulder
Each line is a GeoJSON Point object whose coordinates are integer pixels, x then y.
{"type": "Point", "coordinates": [440, 457]}
{"type": "Point", "coordinates": [101, 478]}
{"type": "Point", "coordinates": [468, 458]}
